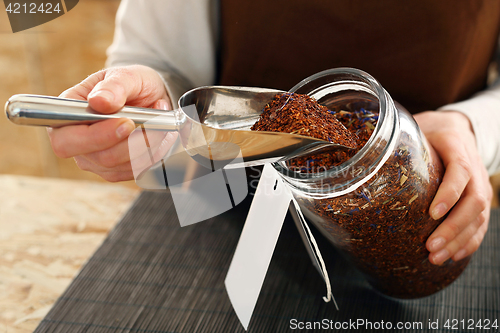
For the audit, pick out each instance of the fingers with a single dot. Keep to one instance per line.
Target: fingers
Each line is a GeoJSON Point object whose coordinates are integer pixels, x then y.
{"type": "Point", "coordinates": [97, 140]}
{"type": "Point", "coordinates": [457, 230]}
{"type": "Point", "coordinates": [465, 192]}
{"type": "Point", "coordinates": [109, 90]}
{"type": "Point", "coordinates": [114, 163]}
{"type": "Point", "coordinates": [82, 89]}
{"type": "Point", "coordinates": [160, 143]}
{"type": "Point", "coordinates": [475, 241]}
{"type": "Point", "coordinates": [143, 155]}
{"type": "Point", "coordinates": [133, 85]}
{"type": "Point", "coordinates": [465, 187]}
{"type": "Point", "coordinates": [119, 173]}
{"type": "Point", "coordinates": [111, 94]}
{"type": "Point", "coordinates": [461, 233]}
{"type": "Point", "coordinates": [111, 157]}
{"type": "Point", "coordinates": [101, 147]}
{"type": "Point", "coordinates": [72, 141]}
{"type": "Point", "coordinates": [163, 104]}
{"type": "Point", "coordinates": [453, 153]}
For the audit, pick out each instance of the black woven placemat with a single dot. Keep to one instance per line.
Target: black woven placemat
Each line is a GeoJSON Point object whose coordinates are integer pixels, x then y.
{"type": "Point", "coordinates": [151, 275]}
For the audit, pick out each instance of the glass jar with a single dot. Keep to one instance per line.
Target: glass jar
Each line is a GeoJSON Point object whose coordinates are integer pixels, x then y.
{"type": "Point", "coordinates": [375, 206]}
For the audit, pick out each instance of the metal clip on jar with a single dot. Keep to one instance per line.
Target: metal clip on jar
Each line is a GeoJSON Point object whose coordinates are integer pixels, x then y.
{"type": "Point", "coordinates": [375, 206]}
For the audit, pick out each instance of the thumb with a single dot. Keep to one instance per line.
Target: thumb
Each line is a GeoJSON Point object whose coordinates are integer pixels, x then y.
{"type": "Point", "coordinates": [117, 86]}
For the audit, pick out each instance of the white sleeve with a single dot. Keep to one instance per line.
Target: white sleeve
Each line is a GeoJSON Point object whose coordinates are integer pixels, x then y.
{"type": "Point", "coordinates": [177, 38]}
{"type": "Point", "coordinates": [483, 111]}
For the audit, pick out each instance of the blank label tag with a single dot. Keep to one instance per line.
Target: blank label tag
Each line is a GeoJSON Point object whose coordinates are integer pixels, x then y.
{"type": "Point", "coordinates": [257, 242]}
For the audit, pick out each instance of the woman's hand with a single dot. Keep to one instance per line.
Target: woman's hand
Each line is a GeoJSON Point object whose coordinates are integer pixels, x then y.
{"type": "Point", "coordinates": [465, 191]}
{"type": "Point", "coordinates": [102, 147]}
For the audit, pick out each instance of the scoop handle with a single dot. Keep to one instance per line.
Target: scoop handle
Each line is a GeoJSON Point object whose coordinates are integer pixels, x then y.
{"type": "Point", "coordinates": [38, 110]}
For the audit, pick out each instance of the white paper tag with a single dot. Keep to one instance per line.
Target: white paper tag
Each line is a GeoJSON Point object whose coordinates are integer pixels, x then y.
{"type": "Point", "coordinates": [257, 242]}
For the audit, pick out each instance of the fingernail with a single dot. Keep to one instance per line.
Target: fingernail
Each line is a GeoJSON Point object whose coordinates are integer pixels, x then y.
{"type": "Point", "coordinates": [460, 255]}
{"type": "Point", "coordinates": [437, 244]}
{"type": "Point", "coordinates": [104, 94]}
{"type": "Point", "coordinates": [439, 211]}
{"type": "Point", "coordinates": [441, 256]}
{"type": "Point", "coordinates": [125, 129]}
{"type": "Point", "coordinates": [163, 105]}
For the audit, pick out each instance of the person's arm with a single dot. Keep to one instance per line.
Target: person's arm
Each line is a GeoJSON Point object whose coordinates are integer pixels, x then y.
{"type": "Point", "coordinates": [161, 49]}
{"type": "Point", "coordinates": [177, 38]}
{"type": "Point", "coordinates": [466, 136]}
{"type": "Point", "coordinates": [483, 112]}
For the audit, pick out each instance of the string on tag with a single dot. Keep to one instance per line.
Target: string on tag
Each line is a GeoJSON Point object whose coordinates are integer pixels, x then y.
{"type": "Point", "coordinates": [315, 248]}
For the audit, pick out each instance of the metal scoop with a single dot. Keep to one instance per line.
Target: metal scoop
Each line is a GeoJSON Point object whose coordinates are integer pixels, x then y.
{"type": "Point", "coordinates": [219, 117]}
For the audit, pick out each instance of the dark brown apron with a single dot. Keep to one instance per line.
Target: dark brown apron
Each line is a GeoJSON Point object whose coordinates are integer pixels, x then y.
{"type": "Point", "coordinates": [425, 53]}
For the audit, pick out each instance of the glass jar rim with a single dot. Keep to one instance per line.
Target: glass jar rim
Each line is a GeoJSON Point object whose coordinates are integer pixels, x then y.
{"type": "Point", "coordinates": [385, 103]}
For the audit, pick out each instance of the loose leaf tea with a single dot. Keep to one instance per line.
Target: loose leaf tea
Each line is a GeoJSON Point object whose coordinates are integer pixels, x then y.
{"type": "Point", "coordinates": [360, 123]}
{"type": "Point", "coordinates": [303, 115]}
{"type": "Point", "coordinates": [384, 223]}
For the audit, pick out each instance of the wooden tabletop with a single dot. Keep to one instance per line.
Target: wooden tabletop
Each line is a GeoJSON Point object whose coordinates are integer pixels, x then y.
{"type": "Point", "coordinates": [48, 229]}
{"type": "Point", "coordinates": [151, 275]}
